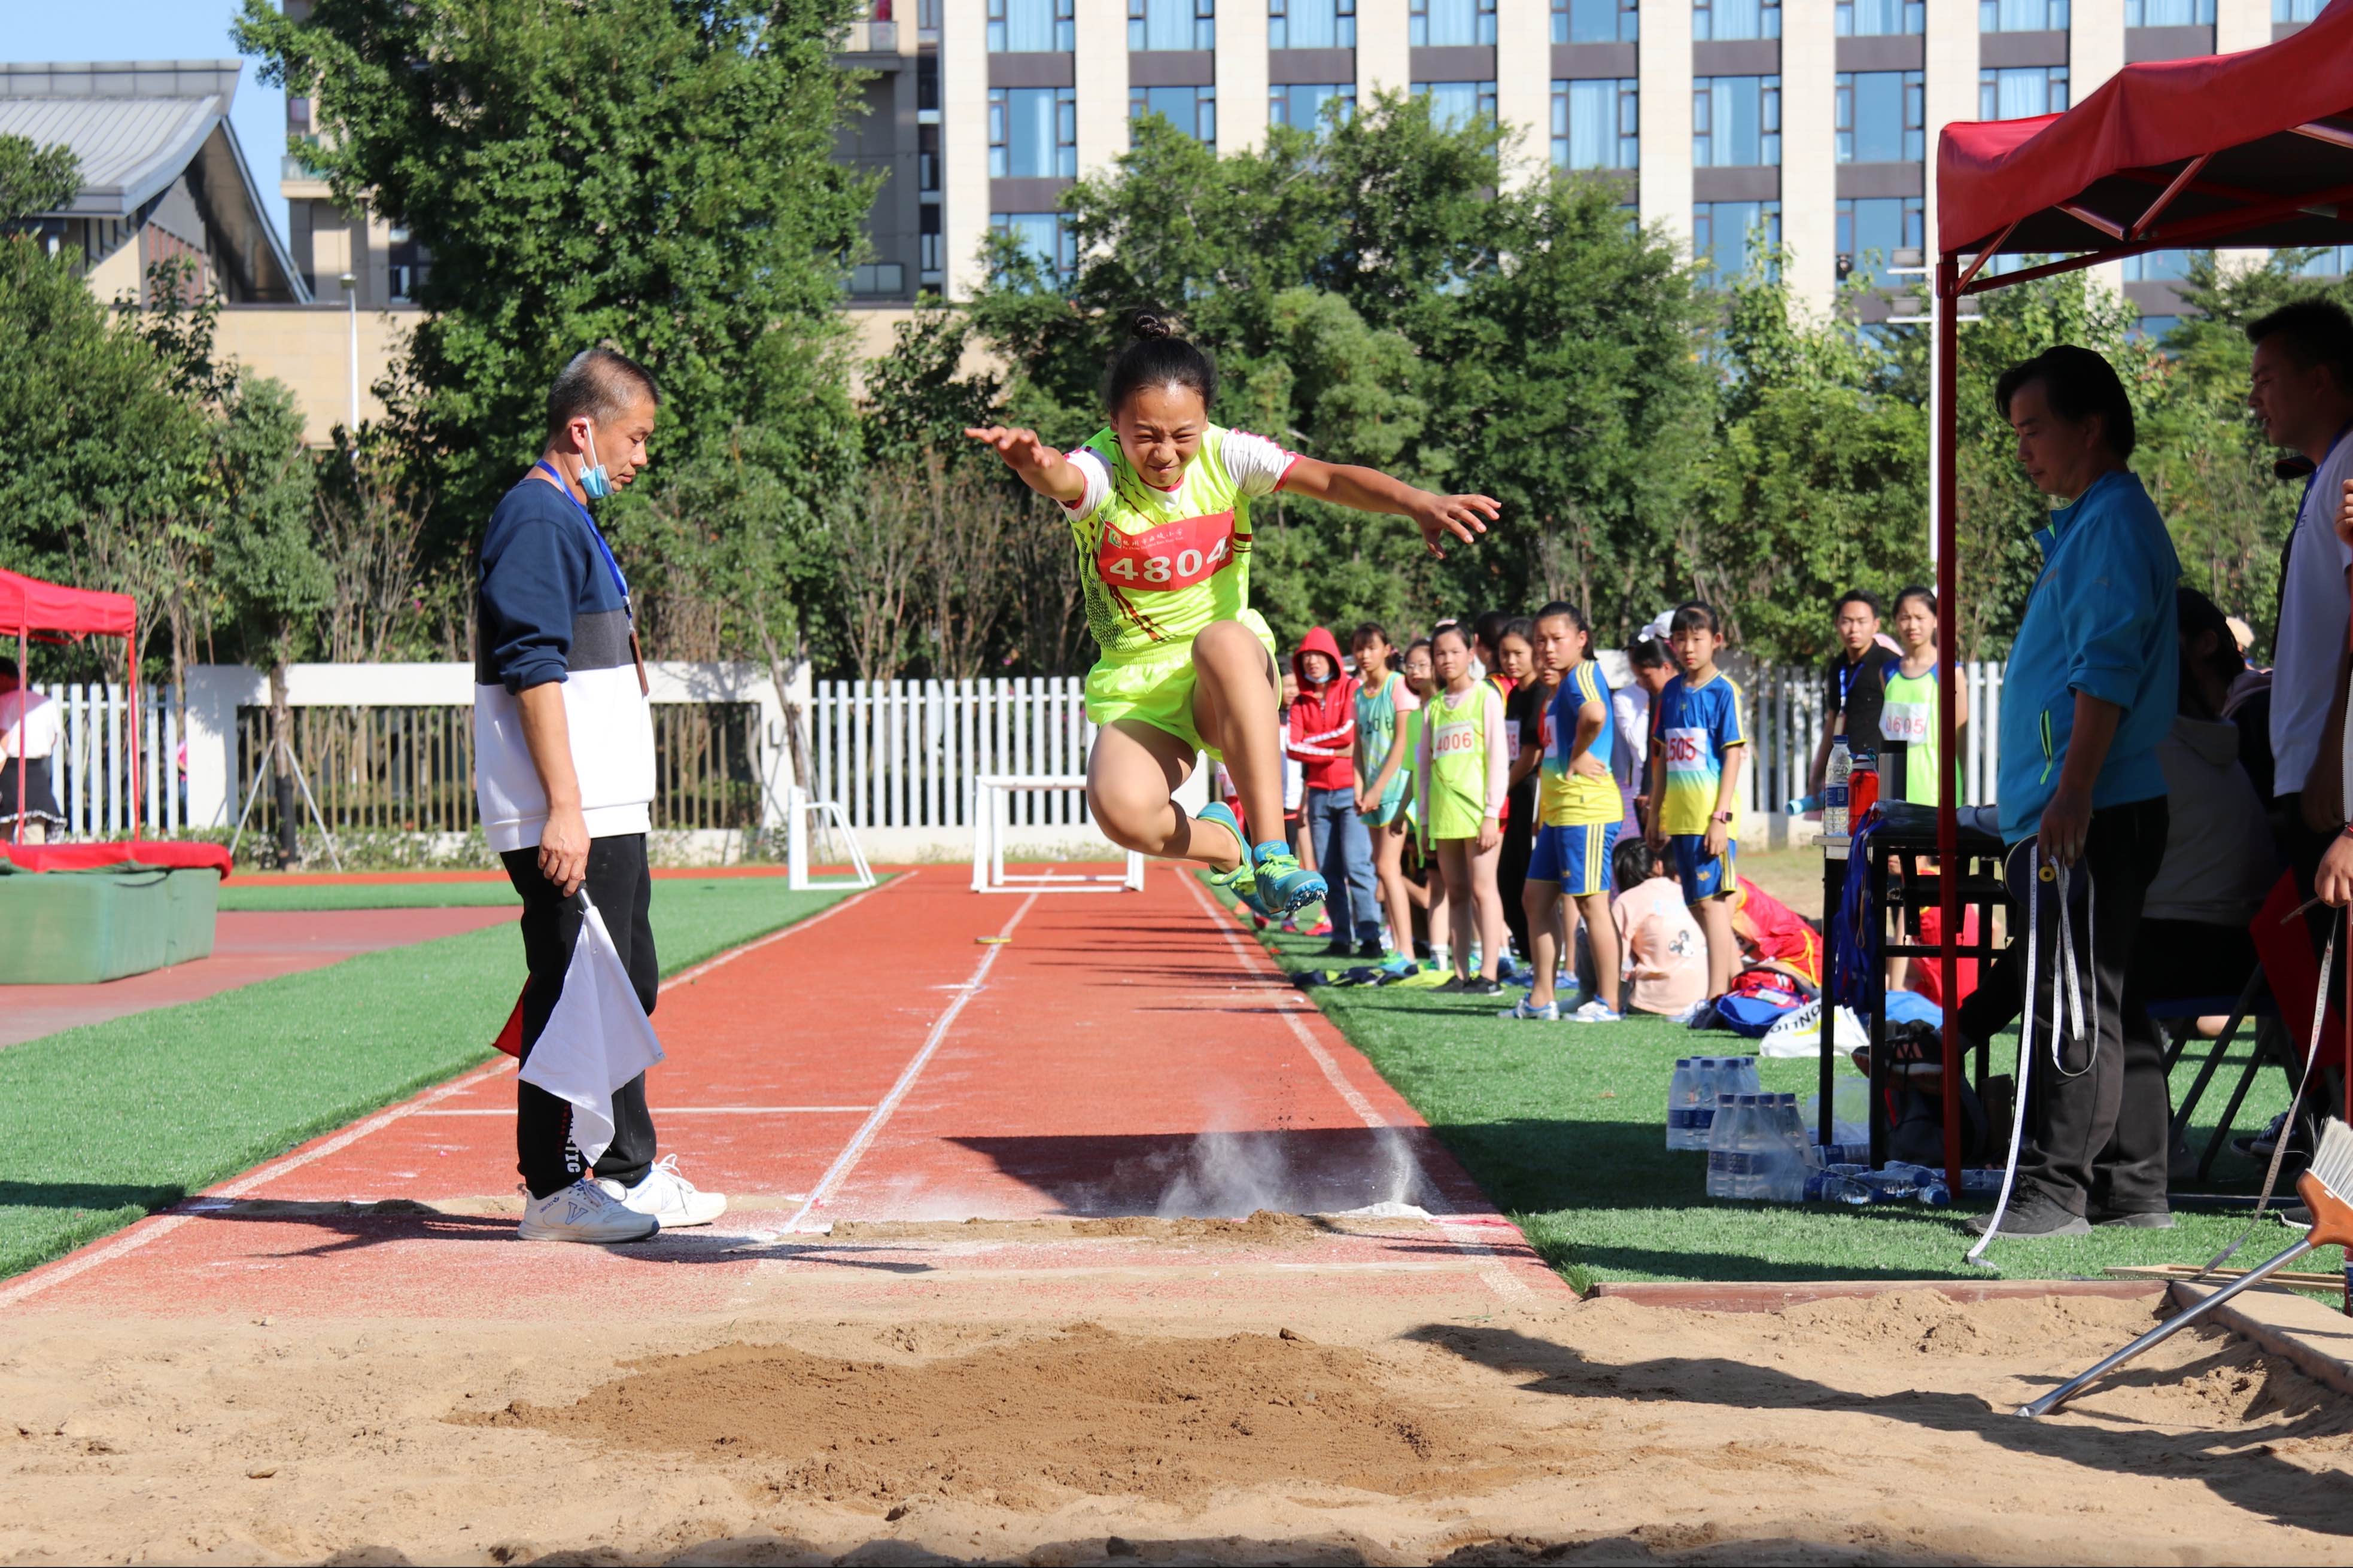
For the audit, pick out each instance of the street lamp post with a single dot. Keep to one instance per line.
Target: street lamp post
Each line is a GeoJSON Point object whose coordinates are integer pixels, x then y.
{"type": "Point", "coordinates": [351, 312]}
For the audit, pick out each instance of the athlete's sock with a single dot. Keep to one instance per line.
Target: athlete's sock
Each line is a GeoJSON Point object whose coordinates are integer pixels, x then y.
{"type": "Point", "coordinates": [1441, 955]}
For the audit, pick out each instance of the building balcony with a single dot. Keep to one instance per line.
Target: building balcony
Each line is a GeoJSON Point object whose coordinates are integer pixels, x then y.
{"type": "Point", "coordinates": [869, 38]}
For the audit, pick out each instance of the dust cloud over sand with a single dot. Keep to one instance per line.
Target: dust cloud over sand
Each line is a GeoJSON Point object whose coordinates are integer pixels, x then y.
{"type": "Point", "coordinates": [1837, 1431]}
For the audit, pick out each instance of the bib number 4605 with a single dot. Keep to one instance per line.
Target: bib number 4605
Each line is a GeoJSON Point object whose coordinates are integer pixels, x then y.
{"type": "Point", "coordinates": [1174, 555]}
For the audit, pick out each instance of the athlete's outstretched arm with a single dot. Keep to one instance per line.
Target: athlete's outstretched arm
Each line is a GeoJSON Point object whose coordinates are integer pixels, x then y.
{"type": "Point", "coordinates": [1369, 490]}
{"type": "Point", "coordinates": [1040, 466]}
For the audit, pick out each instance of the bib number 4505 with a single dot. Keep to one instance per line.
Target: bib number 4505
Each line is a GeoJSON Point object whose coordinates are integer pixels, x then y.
{"type": "Point", "coordinates": [1174, 555]}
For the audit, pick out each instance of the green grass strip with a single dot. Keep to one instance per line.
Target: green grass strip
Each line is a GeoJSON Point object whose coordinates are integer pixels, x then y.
{"type": "Point", "coordinates": [1564, 1125]}
{"type": "Point", "coordinates": [103, 1124]}
{"type": "Point", "coordinates": [259, 893]}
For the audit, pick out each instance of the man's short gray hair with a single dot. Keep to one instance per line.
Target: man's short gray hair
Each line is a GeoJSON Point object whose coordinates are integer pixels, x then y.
{"type": "Point", "coordinates": [599, 385]}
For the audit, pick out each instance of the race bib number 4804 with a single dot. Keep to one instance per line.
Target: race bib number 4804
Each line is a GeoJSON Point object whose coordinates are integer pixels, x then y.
{"type": "Point", "coordinates": [1688, 751]}
{"type": "Point", "coordinates": [1172, 556]}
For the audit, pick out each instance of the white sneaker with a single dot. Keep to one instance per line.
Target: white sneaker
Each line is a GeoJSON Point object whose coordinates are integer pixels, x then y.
{"type": "Point", "coordinates": [669, 1198]}
{"type": "Point", "coordinates": [1596, 1011]}
{"type": "Point", "coordinates": [584, 1211]}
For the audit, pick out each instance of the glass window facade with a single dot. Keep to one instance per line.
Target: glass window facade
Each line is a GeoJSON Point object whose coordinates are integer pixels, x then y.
{"type": "Point", "coordinates": [1872, 229]}
{"type": "Point", "coordinates": [1595, 124]}
{"type": "Point", "coordinates": [2017, 92]}
{"type": "Point", "coordinates": [1301, 104]}
{"type": "Point", "coordinates": [1453, 104]}
{"type": "Point", "coordinates": [1881, 117]}
{"type": "Point", "coordinates": [2021, 16]}
{"type": "Point", "coordinates": [1728, 236]}
{"type": "Point", "coordinates": [1045, 237]}
{"type": "Point", "coordinates": [1192, 109]}
{"type": "Point", "coordinates": [1879, 18]}
{"type": "Point", "coordinates": [1172, 24]}
{"type": "Point", "coordinates": [931, 255]}
{"type": "Point", "coordinates": [1311, 24]}
{"type": "Point", "coordinates": [2334, 261]}
{"type": "Point", "coordinates": [1722, 19]}
{"type": "Point", "coordinates": [2169, 13]}
{"type": "Point", "coordinates": [1447, 24]}
{"type": "Point", "coordinates": [1596, 21]}
{"type": "Point", "coordinates": [2296, 10]}
{"type": "Point", "coordinates": [1033, 132]}
{"type": "Point", "coordinates": [1735, 121]}
{"type": "Point", "coordinates": [2156, 266]}
{"type": "Point", "coordinates": [1031, 26]}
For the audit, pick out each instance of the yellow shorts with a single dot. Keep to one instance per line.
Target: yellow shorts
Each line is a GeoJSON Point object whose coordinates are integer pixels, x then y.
{"type": "Point", "coordinates": [1157, 687]}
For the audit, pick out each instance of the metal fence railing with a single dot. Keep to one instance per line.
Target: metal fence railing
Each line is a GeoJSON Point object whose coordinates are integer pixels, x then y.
{"type": "Point", "coordinates": [1785, 724]}
{"type": "Point", "coordinates": [903, 753]}
{"type": "Point", "coordinates": [90, 770]}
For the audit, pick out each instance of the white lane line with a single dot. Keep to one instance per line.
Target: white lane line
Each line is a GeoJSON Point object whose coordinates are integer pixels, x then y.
{"type": "Point", "coordinates": [662, 1111]}
{"type": "Point", "coordinates": [855, 1149]}
{"type": "Point", "coordinates": [157, 1227]}
{"type": "Point", "coordinates": [686, 976]}
{"type": "Point", "coordinates": [1290, 1004]}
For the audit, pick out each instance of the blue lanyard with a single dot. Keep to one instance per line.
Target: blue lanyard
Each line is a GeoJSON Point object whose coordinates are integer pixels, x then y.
{"type": "Point", "coordinates": [603, 549]}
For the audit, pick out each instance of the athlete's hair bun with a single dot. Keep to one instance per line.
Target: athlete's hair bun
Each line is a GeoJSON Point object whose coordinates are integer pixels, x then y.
{"type": "Point", "coordinates": [1156, 354]}
{"type": "Point", "coordinates": [1147, 324]}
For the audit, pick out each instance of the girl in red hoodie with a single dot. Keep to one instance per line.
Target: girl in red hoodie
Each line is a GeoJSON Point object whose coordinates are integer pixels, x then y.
{"type": "Point", "coordinates": [1323, 738]}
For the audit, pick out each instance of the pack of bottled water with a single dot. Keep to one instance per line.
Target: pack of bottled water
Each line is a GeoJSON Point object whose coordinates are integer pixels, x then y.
{"type": "Point", "coordinates": [1756, 1149]}
{"type": "Point", "coordinates": [1693, 1093]}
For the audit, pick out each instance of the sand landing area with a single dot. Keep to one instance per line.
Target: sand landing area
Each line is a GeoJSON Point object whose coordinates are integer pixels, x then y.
{"type": "Point", "coordinates": [1852, 1430]}
{"type": "Point", "coordinates": [347, 1355]}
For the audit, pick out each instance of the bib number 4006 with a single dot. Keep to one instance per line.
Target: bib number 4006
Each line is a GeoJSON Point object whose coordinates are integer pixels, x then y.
{"type": "Point", "coordinates": [1172, 556]}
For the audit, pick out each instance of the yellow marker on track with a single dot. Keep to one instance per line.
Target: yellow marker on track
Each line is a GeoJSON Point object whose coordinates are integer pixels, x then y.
{"type": "Point", "coordinates": [992, 941]}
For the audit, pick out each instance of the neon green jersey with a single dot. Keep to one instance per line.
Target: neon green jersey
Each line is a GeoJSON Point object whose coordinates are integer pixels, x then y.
{"type": "Point", "coordinates": [1158, 565]}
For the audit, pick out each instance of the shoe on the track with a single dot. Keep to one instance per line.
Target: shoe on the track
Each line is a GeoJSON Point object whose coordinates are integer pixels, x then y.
{"type": "Point", "coordinates": [1549, 1012]}
{"type": "Point", "coordinates": [1596, 1011]}
{"type": "Point", "coordinates": [1341, 948]}
{"type": "Point", "coordinates": [1238, 880]}
{"type": "Point", "coordinates": [673, 1201]}
{"type": "Point", "coordinates": [2032, 1213]}
{"type": "Point", "coordinates": [1284, 887]}
{"type": "Point", "coordinates": [584, 1211]}
{"type": "Point", "coordinates": [1478, 985]}
{"type": "Point", "coordinates": [1398, 968]}
{"type": "Point", "coordinates": [1452, 982]}
{"type": "Point", "coordinates": [1376, 951]}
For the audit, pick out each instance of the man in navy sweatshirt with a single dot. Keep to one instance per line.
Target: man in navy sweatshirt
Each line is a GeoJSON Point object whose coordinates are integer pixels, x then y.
{"type": "Point", "coordinates": [563, 772]}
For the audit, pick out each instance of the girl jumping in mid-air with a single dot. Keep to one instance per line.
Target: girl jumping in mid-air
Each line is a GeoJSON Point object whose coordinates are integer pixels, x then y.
{"type": "Point", "coordinates": [1159, 502]}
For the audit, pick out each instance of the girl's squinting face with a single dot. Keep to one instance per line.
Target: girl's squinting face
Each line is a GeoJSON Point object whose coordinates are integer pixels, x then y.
{"type": "Point", "coordinates": [1315, 666]}
{"type": "Point", "coordinates": [1418, 670]}
{"type": "Point", "coordinates": [1372, 658]}
{"type": "Point", "coordinates": [1450, 658]}
{"type": "Point", "coordinates": [1559, 646]}
{"type": "Point", "coordinates": [1160, 429]}
{"type": "Point", "coordinates": [1694, 647]}
{"type": "Point", "coordinates": [1515, 657]}
{"type": "Point", "coordinates": [1915, 624]}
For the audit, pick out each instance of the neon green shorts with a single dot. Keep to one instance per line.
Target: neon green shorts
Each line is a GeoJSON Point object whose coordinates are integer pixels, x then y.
{"type": "Point", "coordinates": [1157, 687]}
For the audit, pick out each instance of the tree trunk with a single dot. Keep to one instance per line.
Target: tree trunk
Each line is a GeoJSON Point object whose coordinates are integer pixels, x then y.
{"type": "Point", "coordinates": [281, 771]}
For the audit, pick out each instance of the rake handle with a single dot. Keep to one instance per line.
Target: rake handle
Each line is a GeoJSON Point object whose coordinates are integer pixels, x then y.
{"type": "Point", "coordinates": [2074, 1386]}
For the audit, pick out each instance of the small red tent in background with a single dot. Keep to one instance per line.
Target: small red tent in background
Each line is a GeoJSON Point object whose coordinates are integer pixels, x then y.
{"type": "Point", "coordinates": [2253, 149]}
{"type": "Point", "coordinates": [32, 610]}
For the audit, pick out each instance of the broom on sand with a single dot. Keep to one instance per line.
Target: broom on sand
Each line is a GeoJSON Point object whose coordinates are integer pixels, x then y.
{"type": "Point", "coordinates": [2327, 1188]}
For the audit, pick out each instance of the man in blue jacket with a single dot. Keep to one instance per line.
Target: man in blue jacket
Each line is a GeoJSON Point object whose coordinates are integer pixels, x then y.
{"type": "Point", "coordinates": [2088, 694]}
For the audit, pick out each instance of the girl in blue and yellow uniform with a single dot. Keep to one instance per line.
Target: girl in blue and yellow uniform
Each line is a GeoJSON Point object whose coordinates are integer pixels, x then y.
{"type": "Point", "coordinates": [1159, 504]}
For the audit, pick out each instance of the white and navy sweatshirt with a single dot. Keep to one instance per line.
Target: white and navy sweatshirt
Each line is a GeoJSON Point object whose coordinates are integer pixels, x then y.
{"type": "Point", "coordinates": [551, 611]}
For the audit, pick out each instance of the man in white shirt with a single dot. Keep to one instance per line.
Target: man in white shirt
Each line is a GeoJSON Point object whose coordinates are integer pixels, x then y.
{"type": "Point", "coordinates": [2302, 390]}
{"type": "Point", "coordinates": [28, 737]}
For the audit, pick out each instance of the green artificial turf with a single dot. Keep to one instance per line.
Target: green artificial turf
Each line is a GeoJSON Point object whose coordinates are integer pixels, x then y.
{"type": "Point", "coordinates": [1564, 1125]}
{"type": "Point", "coordinates": [101, 1124]}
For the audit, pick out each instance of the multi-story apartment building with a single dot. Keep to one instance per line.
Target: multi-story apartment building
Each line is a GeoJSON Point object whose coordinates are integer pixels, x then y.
{"type": "Point", "coordinates": [1808, 121]}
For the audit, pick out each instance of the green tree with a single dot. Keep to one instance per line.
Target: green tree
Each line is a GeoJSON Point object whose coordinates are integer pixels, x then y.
{"type": "Point", "coordinates": [34, 179]}
{"type": "Point", "coordinates": [649, 173]}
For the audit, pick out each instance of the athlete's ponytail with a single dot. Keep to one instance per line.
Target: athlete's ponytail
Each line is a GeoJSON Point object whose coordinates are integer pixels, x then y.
{"type": "Point", "coordinates": [1156, 357]}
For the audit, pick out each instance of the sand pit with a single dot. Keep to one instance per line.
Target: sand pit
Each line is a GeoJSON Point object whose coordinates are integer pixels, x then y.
{"type": "Point", "coordinates": [1850, 1430]}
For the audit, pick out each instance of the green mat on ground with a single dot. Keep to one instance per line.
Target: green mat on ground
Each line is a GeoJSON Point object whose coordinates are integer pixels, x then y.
{"type": "Point", "coordinates": [1564, 1125]}
{"type": "Point", "coordinates": [101, 1124]}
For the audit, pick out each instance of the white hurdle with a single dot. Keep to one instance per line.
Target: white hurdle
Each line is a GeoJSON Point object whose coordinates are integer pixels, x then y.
{"type": "Point", "coordinates": [992, 797]}
{"type": "Point", "coordinates": [830, 819]}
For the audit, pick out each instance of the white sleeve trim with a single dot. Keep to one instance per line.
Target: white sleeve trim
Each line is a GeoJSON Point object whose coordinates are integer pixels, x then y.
{"type": "Point", "coordinates": [1256, 465]}
{"type": "Point", "coordinates": [1098, 479]}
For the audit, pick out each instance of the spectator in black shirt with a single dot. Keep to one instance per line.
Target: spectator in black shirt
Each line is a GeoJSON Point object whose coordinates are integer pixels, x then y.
{"type": "Point", "coordinates": [1854, 683]}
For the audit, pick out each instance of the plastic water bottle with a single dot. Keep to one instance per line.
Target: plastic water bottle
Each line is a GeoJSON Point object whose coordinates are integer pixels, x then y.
{"type": "Point", "coordinates": [1829, 1187]}
{"type": "Point", "coordinates": [1981, 1183]}
{"type": "Point", "coordinates": [1861, 788]}
{"type": "Point", "coordinates": [1834, 786]}
{"type": "Point", "coordinates": [1888, 1187]}
{"type": "Point", "coordinates": [1728, 1147]}
{"type": "Point", "coordinates": [1783, 1168]}
{"type": "Point", "coordinates": [1856, 1154]}
{"type": "Point", "coordinates": [1928, 1187]}
{"type": "Point", "coordinates": [1740, 1075]}
{"type": "Point", "coordinates": [1683, 1099]}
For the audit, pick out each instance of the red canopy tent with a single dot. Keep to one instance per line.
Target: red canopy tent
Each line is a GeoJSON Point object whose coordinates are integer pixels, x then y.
{"type": "Point", "coordinates": [2253, 149]}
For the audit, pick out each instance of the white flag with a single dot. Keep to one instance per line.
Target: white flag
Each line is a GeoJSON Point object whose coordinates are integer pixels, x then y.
{"type": "Point", "coordinates": [596, 1039]}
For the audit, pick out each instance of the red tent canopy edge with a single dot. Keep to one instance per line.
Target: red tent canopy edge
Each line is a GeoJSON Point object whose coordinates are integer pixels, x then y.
{"type": "Point", "coordinates": [31, 607]}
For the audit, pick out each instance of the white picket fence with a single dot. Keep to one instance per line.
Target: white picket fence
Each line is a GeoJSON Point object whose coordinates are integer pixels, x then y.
{"type": "Point", "coordinates": [90, 771]}
{"type": "Point", "coordinates": [903, 753]}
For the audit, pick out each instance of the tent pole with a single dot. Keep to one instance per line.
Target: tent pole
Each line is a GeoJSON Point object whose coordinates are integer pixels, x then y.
{"type": "Point", "coordinates": [130, 660]}
{"type": "Point", "coordinates": [1943, 439]}
{"type": "Point", "coordinates": [24, 709]}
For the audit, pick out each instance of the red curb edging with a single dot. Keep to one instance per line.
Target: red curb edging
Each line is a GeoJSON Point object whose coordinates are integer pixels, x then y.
{"type": "Point", "coordinates": [1771, 1296]}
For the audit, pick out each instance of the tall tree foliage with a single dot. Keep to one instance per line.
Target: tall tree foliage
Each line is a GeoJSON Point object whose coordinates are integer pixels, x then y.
{"type": "Point", "coordinates": [653, 175]}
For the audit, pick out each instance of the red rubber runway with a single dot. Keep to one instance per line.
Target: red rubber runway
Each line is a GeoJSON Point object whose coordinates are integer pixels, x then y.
{"type": "Point", "coordinates": [248, 945]}
{"type": "Point", "coordinates": [1117, 1055]}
